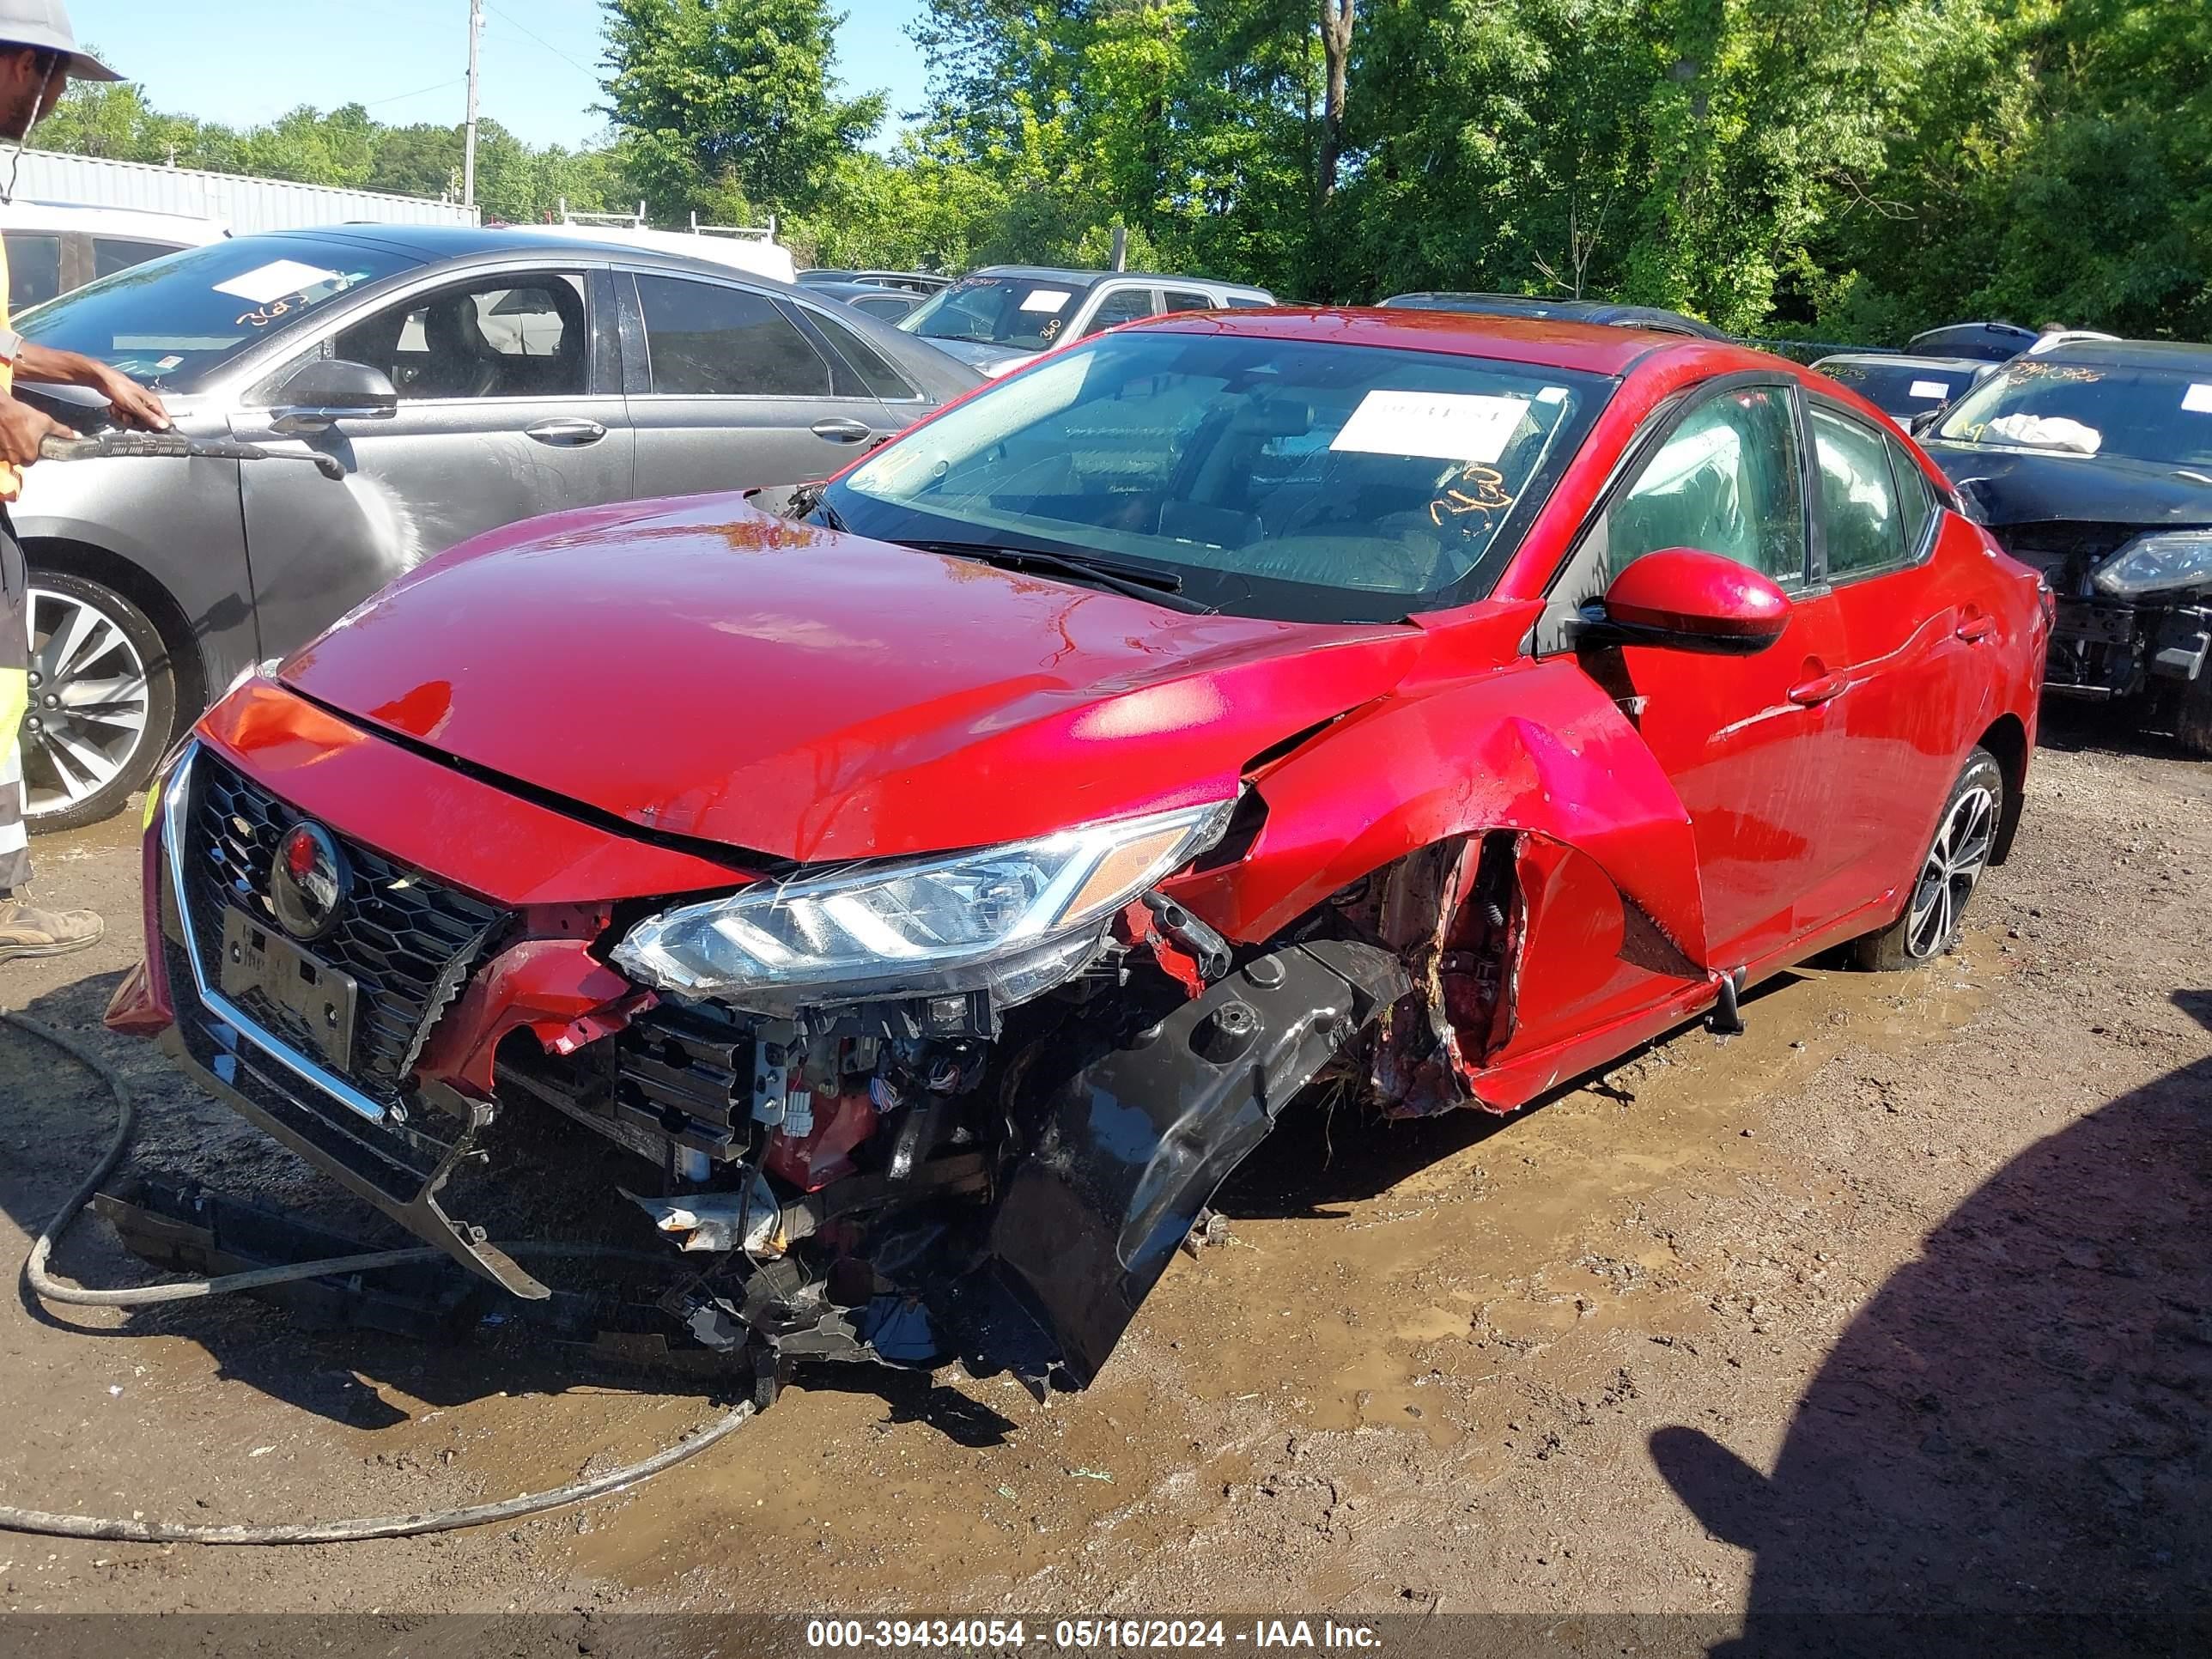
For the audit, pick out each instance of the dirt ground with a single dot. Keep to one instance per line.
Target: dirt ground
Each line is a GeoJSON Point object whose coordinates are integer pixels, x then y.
{"type": "Point", "coordinates": [1901, 1300]}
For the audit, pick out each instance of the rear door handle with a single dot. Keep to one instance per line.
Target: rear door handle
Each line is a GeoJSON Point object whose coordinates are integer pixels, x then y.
{"type": "Point", "coordinates": [844, 432]}
{"type": "Point", "coordinates": [1977, 627]}
{"type": "Point", "coordinates": [566, 430]}
{"type": "Point", "coordinates": [1822, 688]}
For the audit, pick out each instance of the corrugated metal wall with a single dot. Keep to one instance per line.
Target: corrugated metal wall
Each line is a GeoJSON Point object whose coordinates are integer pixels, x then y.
{"type": "Point", "coordinates": [245, 205]}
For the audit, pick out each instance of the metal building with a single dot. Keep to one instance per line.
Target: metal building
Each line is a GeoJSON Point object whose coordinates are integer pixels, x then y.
{"type": "Point", "coordinates": [244, 204]}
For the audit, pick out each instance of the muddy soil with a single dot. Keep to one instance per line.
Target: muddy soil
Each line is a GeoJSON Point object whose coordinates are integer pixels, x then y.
{"type": "Point", "coordinates": [1900, 1299]}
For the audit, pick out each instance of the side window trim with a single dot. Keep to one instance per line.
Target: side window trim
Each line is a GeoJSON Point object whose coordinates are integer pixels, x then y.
{"type": "Point", "coordinates": [260, 386]}
{"type": "Point", "coordinates": [841, 369]}
{"type": "Point", "coordinates": [815, 343]}
{"type": "Point", "coordinates": [1915, 556]}
{"type": "Point", "coordinates": [1107, 292]}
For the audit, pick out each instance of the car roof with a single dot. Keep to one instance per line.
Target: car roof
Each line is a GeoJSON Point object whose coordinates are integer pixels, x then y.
{"type": "Point", "coordinates": [1595, 348]}
{"type": "Point", "coordinates": [190, 229]}
{"type": "Point", "coordinates": [1088, 278]}
{"type": "Point", "coordinates": [1903, 360]}
{"type": "Point", "coordinates": [434, 244]}
{"type": "Point", "coordinates": [2130, 354]}
{"type": "Point", "coordinates": [1533, 305]}
{"type": "Point", "coordinates": [862, 291]}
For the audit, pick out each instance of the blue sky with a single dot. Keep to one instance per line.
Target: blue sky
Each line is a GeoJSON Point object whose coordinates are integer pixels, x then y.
{"type": "Point", "coordinates": [405, 58]}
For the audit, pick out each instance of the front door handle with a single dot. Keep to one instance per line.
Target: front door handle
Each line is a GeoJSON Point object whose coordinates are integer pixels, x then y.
{"type": "Point", "coordinates": [844, 432]}
{"type": "Point", "coordinates": [1821, 688]}
{"type": "Point", "coordinates": [1977, 627]}
{"type": "Point", "coordinates": [567, 431]}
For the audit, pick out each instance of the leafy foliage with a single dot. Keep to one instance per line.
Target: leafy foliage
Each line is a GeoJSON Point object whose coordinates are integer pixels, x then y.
{"type": "Point", "coordinates": [1847, 169]}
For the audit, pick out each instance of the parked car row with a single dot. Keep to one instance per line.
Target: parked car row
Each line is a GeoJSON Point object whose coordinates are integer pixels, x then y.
{"type": "Point", "coordinates": [2089, 457]}
{"type": "Point", "coordinates": [464, 379]}
{"type": "Point", "coordinates": [467, 379]}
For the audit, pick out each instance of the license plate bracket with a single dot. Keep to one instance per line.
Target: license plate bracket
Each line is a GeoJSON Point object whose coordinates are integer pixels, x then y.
{"type": "Point", "coordinates": [258, 958]}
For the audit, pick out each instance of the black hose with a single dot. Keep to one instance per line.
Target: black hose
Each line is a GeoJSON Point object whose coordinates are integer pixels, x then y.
{"type": "Point", "coordinates": [43, 1284]}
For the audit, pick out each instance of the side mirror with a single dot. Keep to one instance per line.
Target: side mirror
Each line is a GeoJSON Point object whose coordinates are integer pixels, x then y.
{"type": "Point", "coordinates": [1923, 420]}
{"type": "Point", "coordinates": [1695, 601]}
{"type": "Point", "coordinates": [324, 393]}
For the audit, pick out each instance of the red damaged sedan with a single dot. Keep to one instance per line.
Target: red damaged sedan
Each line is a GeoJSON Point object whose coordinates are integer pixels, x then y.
{"type": "Point", "coordinates": [931, 892]}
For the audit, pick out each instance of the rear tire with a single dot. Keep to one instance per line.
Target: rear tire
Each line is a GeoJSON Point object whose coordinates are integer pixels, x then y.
{"type": "Point", "coordinates": [1949, 872]}
{"type": "Point", "coordinates": [104, 705]}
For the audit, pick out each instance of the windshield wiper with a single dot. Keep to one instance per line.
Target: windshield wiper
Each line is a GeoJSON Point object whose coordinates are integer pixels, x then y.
{"type": "Point", "coordinates": [1133, 581]}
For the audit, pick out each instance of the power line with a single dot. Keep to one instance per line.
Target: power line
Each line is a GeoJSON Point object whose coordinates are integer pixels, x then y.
{"type": "Point", "coordinates": [547, 45]}
{"type": "Point", "coordinates": [398, 97]}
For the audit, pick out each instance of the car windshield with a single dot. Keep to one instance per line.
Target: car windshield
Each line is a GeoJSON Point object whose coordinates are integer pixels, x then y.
{"type": "Point", "coordinates": [1025, 313]}
{"type": "Point", "coordinates": [1263, 476]}
{"type": "Point", "coordinates": [1899, 388]}
{"type": "Point", "coordinates": [2163, 416]}
{"type": "Point", "coordinates": [172, 322]}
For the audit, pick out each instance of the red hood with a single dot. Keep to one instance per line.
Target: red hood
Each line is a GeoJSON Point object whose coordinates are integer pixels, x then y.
{"type": "Point", "coordinates": [701, 668]}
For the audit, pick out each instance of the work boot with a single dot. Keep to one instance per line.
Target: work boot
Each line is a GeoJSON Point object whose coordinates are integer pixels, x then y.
{"type": "Point", "coordinates": [26, 931]}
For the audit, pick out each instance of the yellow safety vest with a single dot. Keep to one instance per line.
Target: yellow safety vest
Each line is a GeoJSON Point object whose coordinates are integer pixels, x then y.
{"type": "Point", "coordinates": [11, 478]}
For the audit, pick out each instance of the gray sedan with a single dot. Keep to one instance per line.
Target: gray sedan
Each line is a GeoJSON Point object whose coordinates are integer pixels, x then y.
{"type": "Point", "coordinates": [462, 379]}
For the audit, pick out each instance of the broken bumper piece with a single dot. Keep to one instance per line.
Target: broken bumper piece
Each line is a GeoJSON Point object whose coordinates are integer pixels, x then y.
{"type": "Point", "coordinates": [1131, 1149]}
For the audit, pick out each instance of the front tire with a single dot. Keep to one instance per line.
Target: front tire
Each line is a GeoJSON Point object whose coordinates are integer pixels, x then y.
{"type": "Point", "coordinates": [1949, 872]}
{"type": "Point", "coordinates": [103, 701]}
{"type": "Point", "coordinates": [2192, 715]}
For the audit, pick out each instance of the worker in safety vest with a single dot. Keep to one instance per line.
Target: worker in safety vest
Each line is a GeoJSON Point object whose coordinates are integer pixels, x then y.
{"type": "Point", "coordinates": [37, 55]}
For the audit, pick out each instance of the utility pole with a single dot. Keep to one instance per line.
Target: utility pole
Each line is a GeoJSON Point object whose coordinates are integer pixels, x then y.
{"type": "Point", "coordinates": [469, 148]}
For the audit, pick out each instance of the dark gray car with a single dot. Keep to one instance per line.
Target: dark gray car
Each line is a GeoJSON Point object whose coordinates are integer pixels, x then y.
{"type": "Point", "coordinates": [464, 378]}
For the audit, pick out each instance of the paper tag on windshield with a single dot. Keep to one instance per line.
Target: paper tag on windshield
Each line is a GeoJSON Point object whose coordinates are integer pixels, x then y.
{"type": "Point", "coordinates": [276, 279]}
{"type": "Point", "coordinates": [1440, 426]}
{"type": "Point", "coordinates": [1934, 389]}
{"type": "Point", "coordinates": [1044, 299]}
{"type": "Point", "coordinates": [2197, 400]}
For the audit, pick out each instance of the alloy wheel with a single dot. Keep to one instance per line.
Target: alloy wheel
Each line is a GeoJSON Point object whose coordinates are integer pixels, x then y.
{"type": "Point", "coordinates": [88, 708]}
{"type": "Point", "coordinates": [1955, 865]}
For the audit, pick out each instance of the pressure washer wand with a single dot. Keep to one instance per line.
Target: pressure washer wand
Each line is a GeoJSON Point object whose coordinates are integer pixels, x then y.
{"type": "Point", "coordinates": [138, 446]}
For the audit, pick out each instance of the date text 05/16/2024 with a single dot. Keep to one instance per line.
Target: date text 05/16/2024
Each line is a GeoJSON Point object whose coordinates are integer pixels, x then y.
{"type": "Point", "coordinates": [1087, 1635]}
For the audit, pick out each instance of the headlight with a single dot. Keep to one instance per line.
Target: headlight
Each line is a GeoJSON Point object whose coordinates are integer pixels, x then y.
{"type": "Point", "coordinates": [2151, 564]}
{"type": "Point", "coordinates": [1014, 920]}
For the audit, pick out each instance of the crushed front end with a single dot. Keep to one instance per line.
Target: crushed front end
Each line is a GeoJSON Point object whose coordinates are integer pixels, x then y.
{"type": "Point", "coordinates": [908, 1112]}
{"type": "Point", "coordinates": [2134, 604]}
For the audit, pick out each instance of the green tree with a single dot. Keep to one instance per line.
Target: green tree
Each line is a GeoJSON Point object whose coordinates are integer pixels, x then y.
{"type": "Point", "coordinates": [720, 103]}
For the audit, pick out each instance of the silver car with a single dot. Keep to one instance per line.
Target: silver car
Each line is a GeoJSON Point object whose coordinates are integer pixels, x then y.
{"type": "Point", "coordinates": [463, 378]}
{"type": "Point", "coordinates": [1000, 317]}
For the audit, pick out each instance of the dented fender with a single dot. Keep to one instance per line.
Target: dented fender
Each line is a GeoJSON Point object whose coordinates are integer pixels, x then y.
{"type": "Point", "coordinates": [1542, 749]}
{"type": "Point", "coordinates": [1131, 1148]}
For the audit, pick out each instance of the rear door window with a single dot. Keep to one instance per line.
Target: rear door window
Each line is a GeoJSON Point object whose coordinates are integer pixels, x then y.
{"type": "Point", "coordinates": [1184, 299]}
{"type": "Point", "coordinates": [706, 340]}
{"type": "Point", "coordinates": [1123, 305]}
{"type": "Point", "coordinates": [1916, 502]}
{"type": "Point", "coordinates": [112, 253]}
{"type": "Point", "coordinates": [877, 379]}
{"type": "Point", "coordinates": [1860, 519]}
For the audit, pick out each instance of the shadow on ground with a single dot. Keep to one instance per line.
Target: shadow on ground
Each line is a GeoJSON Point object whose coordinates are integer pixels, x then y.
{"type": "Point", "coordinates": [2075, 727]}
{"type": "Point", "coordinates": [2018, 1424]}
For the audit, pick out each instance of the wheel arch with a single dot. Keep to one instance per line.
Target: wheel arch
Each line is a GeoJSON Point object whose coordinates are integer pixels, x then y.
{"type": "Point", "coordinates": [2006, 740]}
{"type": "Point", "coordinates": [135, 583]}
